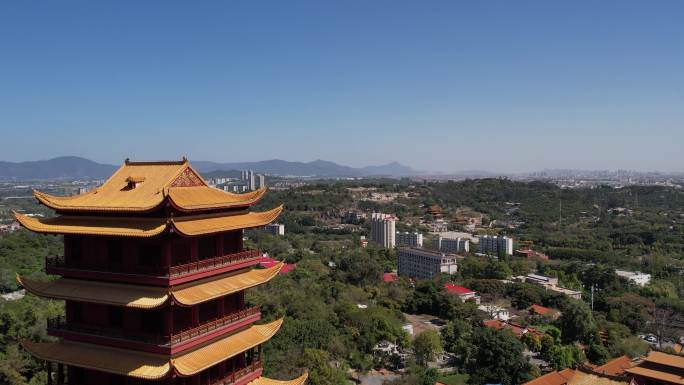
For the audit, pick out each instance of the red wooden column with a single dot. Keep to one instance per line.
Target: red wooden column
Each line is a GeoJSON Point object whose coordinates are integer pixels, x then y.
{"type": "Point", "coordinates": [221, 303]}
{"type": "Point", "coordinates": [166, 253]}
{"type": "Point", "coordinates": [219, 245]}
{"type": "Point", "coordinates": [195, 316]}
{"type": "Point", "coordinates": [193, 250]}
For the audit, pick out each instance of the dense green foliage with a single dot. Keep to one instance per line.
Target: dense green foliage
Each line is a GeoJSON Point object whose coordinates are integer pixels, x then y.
{"type": "Point", "coordinates": [328, 333]}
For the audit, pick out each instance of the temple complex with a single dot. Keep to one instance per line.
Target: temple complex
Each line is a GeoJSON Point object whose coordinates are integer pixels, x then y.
{"type": "Point", "coordinates": [154, 275]}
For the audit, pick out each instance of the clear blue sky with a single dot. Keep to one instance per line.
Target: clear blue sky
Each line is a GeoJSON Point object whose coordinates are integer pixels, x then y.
{"type": "Point", "coordinates": [438, 85]}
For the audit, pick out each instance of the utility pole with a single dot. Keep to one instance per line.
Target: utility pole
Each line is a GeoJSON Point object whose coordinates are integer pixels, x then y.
{"type": "Point", "coordinates": [592, 297]}
{"type": "Point", "coordinates": [560, 210]}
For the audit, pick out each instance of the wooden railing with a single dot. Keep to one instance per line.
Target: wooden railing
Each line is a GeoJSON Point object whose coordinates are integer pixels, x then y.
{"type": "Point", "coordinates": [211, 263]}
{"type": "Point", "coordinates": [238, 374]}
{"type": "Point", "coordinates": [60, 323]}
{"type": "Point", "coordinates": [170, 272]}
{"type": "Point", "coordinates": [213, 325]}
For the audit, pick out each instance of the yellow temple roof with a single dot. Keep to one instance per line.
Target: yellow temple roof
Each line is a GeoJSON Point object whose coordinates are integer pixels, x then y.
{"type": "Point", "coordinates": [268, 381]}
{"type": "Point", "coordinates": [148, 297]}
{"type": "Point", "coordinates": [152, 366]}
{"type": "Point", "coordinates": [117, 294]}
{"type": "Point", "coordinates": [147, 227]}
{"type": "Point", "coordinates": [225, 348]}
{"type": "Point", "coordinates": [144, 186]}
{"type": "Point", "coordinates": [205, 197]}
{"type": "Point", "coordinates": [85, 225]}
{"type": "Point", "coordinates": [214, 223]}
{"type": "Point", "coordinates": [97, 357]}
{"type": "Point", "coordinates": [210, 288]}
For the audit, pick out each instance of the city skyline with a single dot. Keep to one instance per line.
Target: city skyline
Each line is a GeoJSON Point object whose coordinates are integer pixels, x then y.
{"type": "Point", "coordinates": [513, 88]}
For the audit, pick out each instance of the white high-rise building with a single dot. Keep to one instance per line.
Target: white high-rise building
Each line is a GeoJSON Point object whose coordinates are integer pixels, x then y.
{"type": "Point", "coordinates": [451, 245]}
{"type": "Point", "coordinates": [260, 181]}
{"type": "Point", "coordinates": [493, 244]}
{"type": "Point", "coordinates": [383, 229]}
{"type": "Point", "coordinates": [409, 239]}
{"type": "Point", "coordinates": [248, 178]}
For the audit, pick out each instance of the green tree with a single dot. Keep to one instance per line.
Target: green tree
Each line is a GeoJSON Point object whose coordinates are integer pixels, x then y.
{"type": "Point", "coordinates": [577, 323]}
{"type": "Point", "coordinates": [598, 354]}
{"type": "Point", "coordinates": [426, 345]}
{"type": "Point", "coordinates": [456, 336]}
{"type": "Point", "coordinates": [320, 370]}
{"type": "Point", "coordinates": [497, 358]}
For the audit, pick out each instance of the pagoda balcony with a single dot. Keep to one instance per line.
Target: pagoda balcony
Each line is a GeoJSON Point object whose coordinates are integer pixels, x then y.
{"type": "Point", "coordinates": [156, 343]}
{"type": "Point", "coordinates": [237, 376]}
{"type": "Point", "coordinates": [156, 275]}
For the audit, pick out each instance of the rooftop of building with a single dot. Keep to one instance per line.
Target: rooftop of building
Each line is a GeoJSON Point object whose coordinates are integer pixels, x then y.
{"type": "Point", "coordinates": [138, 187]}
{"type": "Point", "coordinates": [456, 289]}
{"type": "Point", "coordinates": [541, 310]}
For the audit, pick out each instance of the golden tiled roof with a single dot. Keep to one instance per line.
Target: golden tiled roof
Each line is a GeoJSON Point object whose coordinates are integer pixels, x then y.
{"type": "Point", "coordinates": [214, 223]}
{"type": "Point", "coordinates": [615, 367]}
{"type": "Point", "coordinates": [153, 366]}
{"type": "Point", "coordinates": [148, 297]}
{"type": "Point", "coordinates": [673, 360]}
{"type": "Point", "coordinates": [656, 374]}
{"type": "Point", "coordinates": [102, 358]}
{"type": "Point", "coordinates": [553, 378]}
{"type": "Point", "coordinates": [581, 378]}
{"type": "Point", "coordinates": [117, 294]}
{"type": "Point", "coordinates": [116, 195]}
{"type": "Point", "coordinates": [83, 225]}
{"type": "Point", "coordinates": [205, 197]}
{"type": "Point", "coordinates": [147, 227]}
{"type": "Point", "coordinates": [268, 381]}
{"type": "Point", "coordinates": [225, 348]}
{"type": "Point", "coordinates": [144, 186]}
{"type": "Point", "coordinates": [206, 290]}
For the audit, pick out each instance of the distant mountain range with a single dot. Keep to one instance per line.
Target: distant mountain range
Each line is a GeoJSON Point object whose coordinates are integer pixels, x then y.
{"type": "Point", "coordinates": [72, 167]}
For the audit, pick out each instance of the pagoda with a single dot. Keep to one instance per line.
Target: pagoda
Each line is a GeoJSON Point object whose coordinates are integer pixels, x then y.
{"type": "Point", "coordinates": [154, 275]}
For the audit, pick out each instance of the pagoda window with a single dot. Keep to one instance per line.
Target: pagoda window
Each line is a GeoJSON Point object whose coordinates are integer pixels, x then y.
{"type": "Point", "coordinates": [208, 311]}
{"type": "Point", "coordinates": [231, 242]}
{"type": "Point", "coordinates": [115, 316]}
{"type": "Point", "coordinates": [180, 251]}
{"type": "Point", "coordinates": [114, 251]}
{"type": "Point", "coordinates": [74, 247]}
{"type": "Point", "coordinates": [182, 318]}
{"type": "Point", "coordinates": [151, 321]}
{"type": "Point", "coordinates": [75, 312]}
{"type": "Point", "coordinates": [150, 254]}
{"type": "Point", "coordinates": [206, 247]}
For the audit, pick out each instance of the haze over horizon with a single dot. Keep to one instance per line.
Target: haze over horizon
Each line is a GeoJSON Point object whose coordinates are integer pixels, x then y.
{"type": "Point", "coordinates": [503, 87]}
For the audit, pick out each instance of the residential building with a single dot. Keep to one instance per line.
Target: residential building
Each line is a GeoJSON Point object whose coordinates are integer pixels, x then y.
{"type": "Point", "coordinates": [541, 280]}
{"type": "Point", "coordinates": [248, 178]}
{"type": "Point", "coordinates": [260, 181]}
{"type": "Point", "coordinates": [424, 264]}
{"type": "Point", "coordinates": [637, 277]}
{"type": "Point", "coordinates": [154, 284]}
{"type": "Point", "coordinates": [495, 244]}
{"type": "Point", "coordinates": [543, 311]}
{"type": "Point", "coordinates": [383, 229]}
{"type": "Point", "coordinates": [550, 283]}
{"type": "Point", "coordinates": [463, 293]}
{"type": "Point", "coordinates": [530, 254]}
{"type": "Point", "coordinates": [275, 228]}
{"type": "Point", "coordinates": [409, 239]}
{"type": "Point", "coordinates": [451, 245]}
